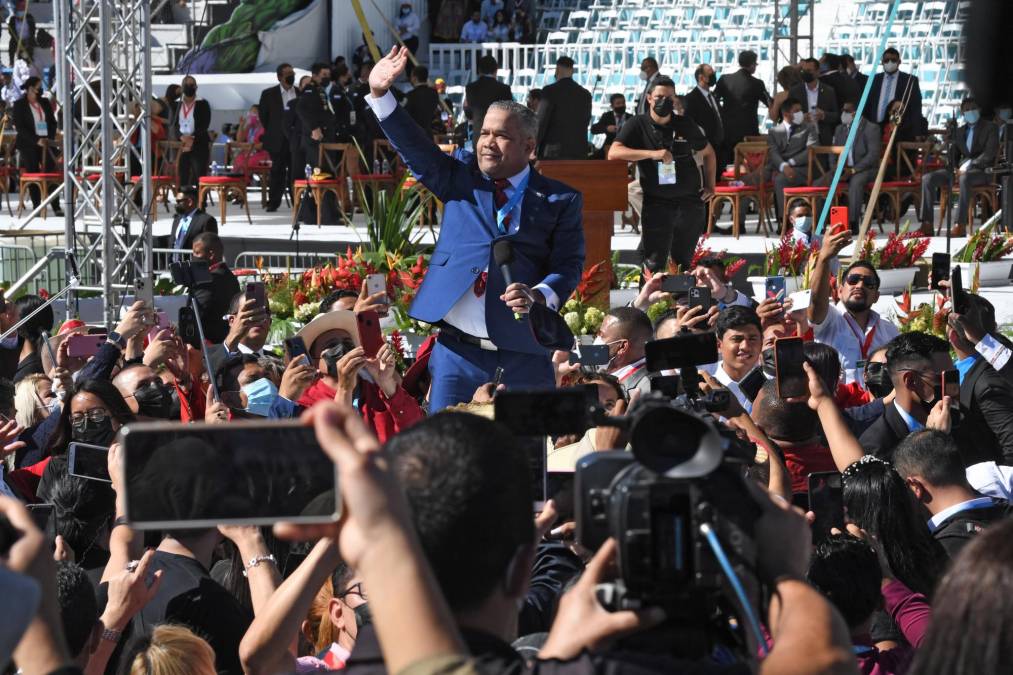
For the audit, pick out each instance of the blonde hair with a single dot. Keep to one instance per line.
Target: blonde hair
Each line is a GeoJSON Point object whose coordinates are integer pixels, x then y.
{"type": "Point", "coordinates": [174, 650]}
{"type": "Point", "coordinates": [27, 402]}
{"type": "Point", "coordinates": [319, 619]}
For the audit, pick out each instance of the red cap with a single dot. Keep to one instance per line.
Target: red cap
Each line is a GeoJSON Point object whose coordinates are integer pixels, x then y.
{"type": "Point", "coordinates": [70, 325]}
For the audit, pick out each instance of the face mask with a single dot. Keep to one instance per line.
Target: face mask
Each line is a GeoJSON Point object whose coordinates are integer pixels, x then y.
{"type": "Point", "coordinates": [797, 117]}
{"type": "Point", "coordinates": [644, 76]}
{"type": "Point", "coordinates": [877, 380]}
{"type": "Point", "coordinates": [260, 395]}
{"type": "Point", "coordinates": [847, 118]}
{"type": "Point", "coordinates": [768, 362]}
{"type": "Point", "coordinates": [153, 400]}
{"type": "Point", "coordinates": [405, 11]}
{"type": "Point", "coordinates": [252, 118]}
{"type": "Point", "coordinates": [94, 433]}
{"type": "Point", "coordinates": [325, 82]}
{"type": "Point", "coordinates": [663, 107]}
{"type": "Point", "coordinates": [290, 79]}
{"type": "Point", "coordinates": [175, 410]}
{"type": "Point", "coordinates": [190, 90]}
{"type": "Point", "coordinates": [1005, 114]}
{"type": "Point", "coordinates": [363, 617]}
{"type": "Point", "coordinates": [620, 111]}
{"type": "Point", "coordinates": [891, 67]}
{"type": "Point", "coordinates": [807, 76]}
{"type": "Point", "coordinates": [333, 355]}
{"type": "Point", "coordinates": [972, 116]}
{"type": "Point", "coordinates": [182, 208]}
{"type": "Point", "coordinates": [712, 80]}
{"type": "Point", "coordinates": [804, 224]}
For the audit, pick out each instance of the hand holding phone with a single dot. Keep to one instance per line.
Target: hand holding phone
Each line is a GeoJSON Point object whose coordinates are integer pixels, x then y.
{"type": "Point", "coordinates": [376, 284]}
{"type": "Point", "coordinates": [370, 336]}
{"type": "Point", "coordinates": [777, 288]}
{"type": "Point", "coordinates": [255, 291]}
{"type": "Point", "coordinates": [296, 346]}
{"type": "Point", "coordinates": [940, 269]}
{"type": "Point", "coordinates": [700, 297]}
{"type": "Point", "coordinates": [84, 346]}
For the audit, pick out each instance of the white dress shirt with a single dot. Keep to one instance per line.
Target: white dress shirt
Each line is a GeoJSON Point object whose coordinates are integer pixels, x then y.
{"type": "Point", "coordinates": [287, 95]}
{"type": "Point", "coordinates": [717, 371]}
{"type": "Point", "coordinates": [468, 313]}
{"type": "Point", "coordinates": [840, 330]}
{"type": "Point", "coordinates": [991, 479]}
{"type": "Point", "coordinates": [812, 96]}
{"type": "Point", "coordinates": [886, 93]}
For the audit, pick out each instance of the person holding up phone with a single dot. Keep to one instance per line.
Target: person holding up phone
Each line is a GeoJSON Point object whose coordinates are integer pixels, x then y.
{"type": "Point", "coordinates": [851, 327]}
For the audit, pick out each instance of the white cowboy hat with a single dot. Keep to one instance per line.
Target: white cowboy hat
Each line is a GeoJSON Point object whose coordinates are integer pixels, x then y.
{"type": "Point", "coordinates": [321, 323]}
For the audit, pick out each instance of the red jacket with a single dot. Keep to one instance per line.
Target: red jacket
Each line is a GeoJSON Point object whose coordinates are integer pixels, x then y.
{"type": "Point", "coordinates": [385, 416]}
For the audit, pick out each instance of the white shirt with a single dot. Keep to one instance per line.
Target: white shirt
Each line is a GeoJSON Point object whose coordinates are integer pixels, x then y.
{"type": "Point", "coordinates": [408, 25]}
{"type": "Point", "coordinates": [938, 519]}
{"type": "Point", "coordinates": [991, 479]}
{"type": "Point", "coordinates": [717, 371]}
{"type": "Point", "coordinates": [474, 32]}
{"type": "Point", "coordinates": [840, 330]}
{"type": "Point", "coordinates": [886, 93]}
{"type": "Point", "coordinates": [468, 313]}
{"type": "Point", "coordinates": [629, 369]}
{"type": "Point", "coordinates": [287, 95]}
{"type": "Point", "coordinates": [811, 97]}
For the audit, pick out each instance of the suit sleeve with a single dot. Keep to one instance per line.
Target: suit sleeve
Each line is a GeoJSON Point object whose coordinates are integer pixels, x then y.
{"type": "Point", "coordinates": [990, 149]}
{"type": "Point", "coordinates": [831, 111]}
{"type": "Point", "coordinates": [566, 261]}
{"type": "Point", "coordinates": [202, 118]}
{"type": "Point", "coordinates": [915, 106]}
{"type": "Point", "coordinates": [544, 112]}
{"type": "Point", "coordinates": [599, 127]}
{"type": "Point", "coordinates": [51, 124]}
{"type": "Point", "coordinates": [874, 140]}
{"type": "Point", "coordinates": [995, 401]}
{"type": "Point", "coordinates": [763, 95]}
{"type": "Point", "coordinates": [265, 109]}
{"type": "Point", "coordinates": [309, 111]}
{"type": "Point", "coordinates": [100, 367]}
{"type": "Point", "coordinates": [774, 158]}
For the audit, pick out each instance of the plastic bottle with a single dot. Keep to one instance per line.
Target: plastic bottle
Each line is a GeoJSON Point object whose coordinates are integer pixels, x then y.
{"type": "Point", "coordinates": [309, 171]}
{"type": "Point", "coordinates": [386, 167]}
{"type": "Point", "coordinates": [736, 183]}
{"type": "Point", "coordinates": [376, 166]}
{"type": "Point", "coordinates": [214, 168]}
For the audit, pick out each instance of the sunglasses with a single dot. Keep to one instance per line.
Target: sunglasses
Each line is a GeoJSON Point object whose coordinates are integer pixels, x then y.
{"type": "Point", "coordinates": [854, 279]}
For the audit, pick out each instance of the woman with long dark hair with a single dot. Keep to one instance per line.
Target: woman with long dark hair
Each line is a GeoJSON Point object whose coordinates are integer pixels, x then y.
{"type": "Point", "coordinates": [971, 613]}
{"type": "Point", "coordinates": [877, 500]}
{"type": "Point", "coordinates": [30, 335]}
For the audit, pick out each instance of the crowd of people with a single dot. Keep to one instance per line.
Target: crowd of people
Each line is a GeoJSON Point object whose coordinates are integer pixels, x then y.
{"type": "Point", "coordinates": [438, 563]}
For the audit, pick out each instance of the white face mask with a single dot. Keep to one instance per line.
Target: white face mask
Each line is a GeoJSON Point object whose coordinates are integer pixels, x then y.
{"type": "Point", "coordinates": [644, 76]}
{"type": "Point", "coordinates": [1005, 114]}
{"type": "Point", "coordinates": [847, 118]}
{"type": "Point", "coordinates": [803, 224]}
{"type": "Point", "coordinates": [797, 117]}
{"type": "Point", "coordinates": [891, 67]}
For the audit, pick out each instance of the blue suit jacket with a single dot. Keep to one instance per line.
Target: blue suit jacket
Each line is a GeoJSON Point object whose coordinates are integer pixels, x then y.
{"type": "Point", "coordinates": [548, 246]}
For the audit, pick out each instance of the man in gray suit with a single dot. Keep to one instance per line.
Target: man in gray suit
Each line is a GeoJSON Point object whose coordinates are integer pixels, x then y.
{"type": "Point", "coordinates": [563, 116]}
{"type": "Point", "coordinates": [819, 102]}
{"type": "Point", "coordinates": [973, 150]}
{"type": "Point", "coordinates": [861, 163]}
{"type": "Point", "coordinates": [788, 158]}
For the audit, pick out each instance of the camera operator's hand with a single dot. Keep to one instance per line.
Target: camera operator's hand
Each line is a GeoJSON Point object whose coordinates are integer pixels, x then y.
{"type": "Point", "coordinates": [383, 370]}
{"type": "Point", "coordinates": [161, 349]}
{"type": "Point", "coordinates": [371, 303]}
{"type": "Point", "coordinates": [663, 156]}
{"type": "Point", "coordinates": [783, 537]}
{"type": "Point", "coordinates": [297, 378]}
{"type": "Point", "coordinates": [708, 385]}
{"type": "Point", "coordinates": [833, 244]}
{"type": "Point", "coordinates": [614, 438]}
{"type": "Point", "coordinates": [135, 321]}
{"type": "Point", "coordinates": [939, 417]}
{"type": "Point", "coordinates": [583, 624]}
{"type": "Point", "coordinates": [250, 315]}
{"type": "Point", "coordinates": [651, 292]}
{"type": "Point", "coordinates": [348, 367]}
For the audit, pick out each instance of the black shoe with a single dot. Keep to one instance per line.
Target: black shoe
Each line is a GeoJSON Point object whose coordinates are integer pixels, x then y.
{"type": "Point", "coordinates": [58, 211]}
{"type": "Point", "coordinates": [271, 209]}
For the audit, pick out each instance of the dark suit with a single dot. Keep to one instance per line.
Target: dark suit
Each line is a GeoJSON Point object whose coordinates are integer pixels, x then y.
{"type": "Point", "coordinates": [423, 104]}
{"type": "Point", "coordinates": [826, 101]}
{"type": "Point", "coordinates": [563, 117]}
{"type": "Point", "coordinates": [860, 79]}
{"type": "Point", "coordinates": [293, 133]}
{"type": "Point", "coordinates": [913, 118]}
{"type": "Point", "coordinates": [200, 223]}
{"type": "Point", "coordinates": [740, 94]}
{"type": "Point", "coordinates": [193, 164]}
{"type": "Point", "coordinates": [986, 432]}
{"type": "Point", "coordinates": [214, 299]}
{"type": "Point", "coordinates": [548, 245]}
{"type": "Point", "coordinates": [479, 95]}
{"type": "Point", "coordinates": [27, 140]}
{"type": "Point", "coordinates": [608, 119]}
{"type": "Point", "coordinates": [846, 88]}
{"type": "Point", "coordinates": [699, 109]}
{"type": "Point", "coordinates": [865, 154]}
{"type": "Point", "coordinates": [314, 111]}
{"type": "Point", "coordinates": [272, 116]}
{"type": "Point", "coordinates": [789, 148]}
{"type": "Point", "coordinates": [885, 434]}
{"type": "Point", "coordinates": [981, 155]}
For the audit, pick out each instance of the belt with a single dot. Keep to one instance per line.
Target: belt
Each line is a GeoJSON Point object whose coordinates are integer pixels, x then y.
{"type": "Point", "coordinates": [457, 334]}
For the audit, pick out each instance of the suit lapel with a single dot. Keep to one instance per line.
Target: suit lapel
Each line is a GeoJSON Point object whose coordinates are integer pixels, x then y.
{"type": "Point", "coordinates": [971, 379]}
{"type": "Point", "coordinates": [896, 423]}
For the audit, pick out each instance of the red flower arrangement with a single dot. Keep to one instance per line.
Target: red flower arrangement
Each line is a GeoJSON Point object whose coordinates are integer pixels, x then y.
{"type": "Point", "coordinates": [788, 258]}
{"type": "Point", "coordinates": [732, 263]}
{"type": "Point", "coordinates": [900, 250]}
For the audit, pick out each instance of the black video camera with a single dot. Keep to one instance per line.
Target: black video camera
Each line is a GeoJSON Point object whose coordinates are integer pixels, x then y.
{"type": "Point", "coordinates": [684, 353]}
{"type": "Point", "coordinates": [190, 273]}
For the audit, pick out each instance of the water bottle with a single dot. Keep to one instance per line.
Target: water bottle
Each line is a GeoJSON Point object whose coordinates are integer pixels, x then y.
{"type": "Point", "coordinates": [309, 171]}
{"type": "Point", "coordinates": [386, 167]}
{"type": "Point", "coordinates": [214, 168]}
{"type": "Point", "coordinates": [376, 166]}
{"type": "Point", "coordinates": [736, 183]}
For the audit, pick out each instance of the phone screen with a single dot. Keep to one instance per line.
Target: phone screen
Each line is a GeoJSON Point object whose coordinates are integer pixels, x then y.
{"type": "Point", "coordinates": [956, 291]}
{"type": "Point", "coordinates": [678, 284]}
{"type": "Point", "coordinates": [826, 501]}
{"type": "Point", "coordinates": [255, 291]}
{"type": "Point", "coordinates": [202, 475]}
{"type": "Point", "coordinates": [752, 383]}
{"type": "Point", "coordinates": [296, 346]}
{"type": "Point", "coordinates": [681, 351]}
{"type": "Point", "coordinates": [545, 413]}
{"type": "Point", "coordinates": [940, 268]}
{"type": "Point", "coordinates": [369, 333]}
{"type": "Point", "coordinates": [789, 354]}
{"type": "Point", "coordinates": [776, 288]}
{"type": "Point", "coordinates": [88, 461]}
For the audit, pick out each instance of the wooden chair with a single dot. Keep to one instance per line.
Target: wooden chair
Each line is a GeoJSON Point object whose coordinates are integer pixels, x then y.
{"type": "Point", "coordinates": [261, 171]}
{"type": "Point", "coordinates": [336, 184]}
{"type": "Point", "coordinates": [161, 188]}
{"type": "Point", "coordinates": [752, 157]}
{"type": "Point", "coordinates": [382, 149]}
{"type": "Point", "coordinates": [813, 194]}
{"type": "Point", "coordinates": [8, 169]}
{"type": "Point", "coordinates": [41, 179]}
{"type": "Point", "coordinates": [223, 186]}
{"type": "Point", "coordinates": [169, 165]}
{"type": "Point", "coordinates": [339, 160]}
{"type": "Point", "coordinates": [986, 195]}
{"type": "Point", "coordinates": [910, 163]}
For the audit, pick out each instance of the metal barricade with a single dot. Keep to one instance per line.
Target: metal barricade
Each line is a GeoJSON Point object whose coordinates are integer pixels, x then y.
{"type": "Point", "coordinates": [15, 261]}
{"type": "Point", "coordinates": [281, 261]}
{"type": "Point", "coordinates": [161, 257]}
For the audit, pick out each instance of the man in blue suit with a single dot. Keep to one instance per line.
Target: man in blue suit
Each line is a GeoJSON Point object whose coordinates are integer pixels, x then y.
{"type": "Point", "coordinates": [487, 196]}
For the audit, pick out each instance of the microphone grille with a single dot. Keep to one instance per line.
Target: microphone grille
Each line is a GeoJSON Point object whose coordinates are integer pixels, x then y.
{"type": "Point", "coordinates": [503, 252]}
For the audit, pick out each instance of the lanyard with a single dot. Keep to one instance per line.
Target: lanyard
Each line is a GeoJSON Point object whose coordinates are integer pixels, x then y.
{"type": "Point", "coordinates": [37, 111]}
{"type": "Point", "coordinates": [632, 372]}
{"type": "Point", "coordinates": [868, 338]}
{"type": "Point", "coordinates": [515, 199]}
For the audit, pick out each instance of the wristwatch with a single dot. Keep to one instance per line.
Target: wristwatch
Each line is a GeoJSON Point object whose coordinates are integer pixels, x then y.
{"type": "Point", "coordinates": [111, 635]}
{"type": "Point", "coordinates": [116, 339]}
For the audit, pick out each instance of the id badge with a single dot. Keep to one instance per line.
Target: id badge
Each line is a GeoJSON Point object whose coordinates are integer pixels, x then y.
{"type": "Point", "coordinates": [666, 173]}
{"type": "Point", "coordinates": [351, 118]}
{"type": "Point", "coordinates": [186, 127]}
{"type": "Point", "coordinates": [41, 129]}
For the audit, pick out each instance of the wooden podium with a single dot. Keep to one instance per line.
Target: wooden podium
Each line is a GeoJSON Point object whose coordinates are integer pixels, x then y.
{"type": "Point", "coordinates": [603, 186]}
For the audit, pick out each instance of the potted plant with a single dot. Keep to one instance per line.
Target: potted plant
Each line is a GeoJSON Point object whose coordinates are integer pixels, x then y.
{"type": "Point", "coordinates": [896, 260]}
{"type": "Point", "coordinates": [983, 255]}
{"type": "Point", "coordinates": [924, 318]}
{"type": "Point", "coordinates": [788, 259]}
{"type": "Point", "coordinates": [585, 309]}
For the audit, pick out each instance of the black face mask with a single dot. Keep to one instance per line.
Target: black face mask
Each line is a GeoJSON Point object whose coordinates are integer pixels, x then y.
{"type": "Point", "coordinates": [877, 380]}
{"type": "Point", "coordinates": [807, 76]}
{"type": "Point", "coordinates": [363, 616]}
{"type": "Point", "coordinates": [768, 362]}
{"type": "Point", "coordinates": [182, 208]}
{"type": "Point", "coordinates": [190, 90]}
{"type": "Point", "coordinates": [290, 79]}
{"type": "Point", "coordinates": [175, 410]}
{"type": "Point", "coordinates": [620, 111]}
{"type": "Point", "coordinates": [664, 107]}
{"type": "Point", "coordinates": [712, 80]}
{"type": "Point", "coordinates": [333, 355]}
{"type": "Point", "coordinates": [153, 400]}
{"type": "Point", "coordinates": [94, 433]}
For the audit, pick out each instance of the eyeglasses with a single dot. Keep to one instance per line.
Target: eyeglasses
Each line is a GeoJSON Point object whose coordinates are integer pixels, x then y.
{"type": "Point", "coordinates": [354, 589]}
{"type": "Point", "coordinates": [97, 416]}
{"type": "Point", "coordinates": [870, 282]}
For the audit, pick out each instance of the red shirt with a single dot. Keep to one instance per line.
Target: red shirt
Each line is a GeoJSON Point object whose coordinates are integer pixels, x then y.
{"type": "Point", "coordinates": [385, 416]}
{"type": "Point", "coordinates": [802, 460]}
{"type": "Point", "coordinates": [852, 395]}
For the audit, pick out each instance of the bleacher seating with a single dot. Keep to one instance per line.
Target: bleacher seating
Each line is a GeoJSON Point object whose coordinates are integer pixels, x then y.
{"type": "Point", "coordinates": [608, 40]}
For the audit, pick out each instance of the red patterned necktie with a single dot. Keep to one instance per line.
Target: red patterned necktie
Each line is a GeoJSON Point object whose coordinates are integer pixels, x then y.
{"type": "Point", "coordinates": [499, 198]}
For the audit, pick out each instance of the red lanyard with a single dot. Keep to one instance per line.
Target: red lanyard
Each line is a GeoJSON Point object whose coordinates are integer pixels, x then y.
{"type": "Point", "coordinates": [631, 373]}
{"type": "Point", "coordinates": [37, 111]}
{"type": "Point", "coordinates": [186, 110]}
{"type": "Point", "coordinates": [868, 338]}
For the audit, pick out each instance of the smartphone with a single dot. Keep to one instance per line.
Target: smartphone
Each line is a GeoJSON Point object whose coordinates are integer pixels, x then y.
{"type": "Point", "coordinates": [752, 383]}
{"type": "Point", "coordinates": [681, 351]}
{"type": "Point", "coordinates": [545, 413]}
{"type": "Point", "coordinates": [497, 379]}
{"type": "Point", "coordinates": [940, 268]}
{"type": "Point", "coordinates": [161, 322]}
{"type": "Point", "coordinates": [776, 288]}
{"type": "Point", "coordinates": [590, 355]}
{"type": "Point", "coordinates": [44, 517]}
{"type": "Point", "coordinates": [948, 385]}
{"type": "Point", "coordinates": [370, 336]}
{"type": "Point", "coordinates": [377, 283]}
{"type": "Point", "coordinates": [536, 450]}
{"type": "Point", "coordinates": [957, 301]}
{"type": "Point", "coordinates": [559, 488]}
{"type": "Point", "coordinates": [838, 220]}
{"type": "Point", "coordinates": [296, 346]}
{"type": "Point", "coordinates": [88, 461]}
{"type": "Point", "coordinates": [84, 346]}
{"type": "Point", "coordinates": [700, 296]}
{"type": "Point", "coordinates": [678, 284]}
{"type": "Point", "coordinates": [666, 385]}
{"type": "Point", "coordinates": [187, 327]}
{"type": "Point", "coordinates": [789, 354]}
{"type": "Point", "coordinates": [255, 291]}
{"type": "Point", "coordinates": [826, 500]}
{"type": "Point", "coordinates": [202, 475]}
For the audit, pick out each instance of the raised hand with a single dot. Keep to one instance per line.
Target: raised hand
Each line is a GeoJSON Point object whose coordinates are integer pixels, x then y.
{"type": "Point", "coordinates": [386, 72]}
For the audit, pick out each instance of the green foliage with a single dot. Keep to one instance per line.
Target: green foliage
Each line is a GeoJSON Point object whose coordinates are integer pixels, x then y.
{"type": "Point", "coordinates": [393, 218]}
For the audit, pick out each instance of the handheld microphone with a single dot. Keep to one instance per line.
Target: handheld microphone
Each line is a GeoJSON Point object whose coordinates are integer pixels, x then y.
{"type": "Point", "coordinates": [75, 274]}
{"type": "Point", "coordinates": [503, 254]}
